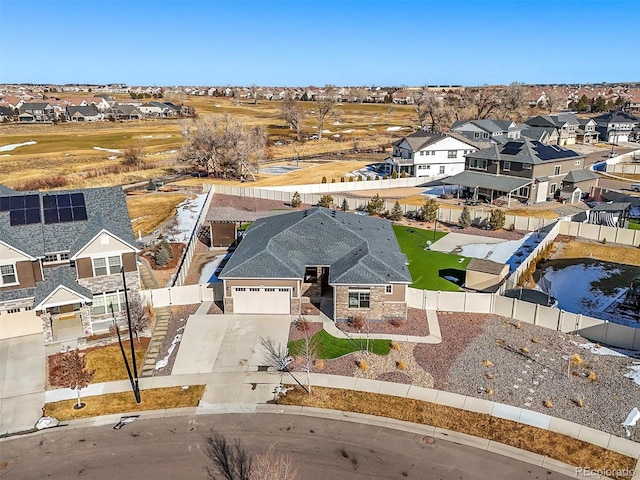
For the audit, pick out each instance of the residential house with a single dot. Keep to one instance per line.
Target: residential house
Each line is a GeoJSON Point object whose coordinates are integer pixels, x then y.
{"type": "Point", "coordinates": [351, 264]}
{"type": "Point", "coordinates": [425, 154]}
{"type": "Point", "coordinates": [488, 130]}
{"type": "Point", "coordinates": [526, 170]}
{"type": "Point", "coordinates": [83, 114]}
{"type": "Point", "coordinates": [546, 135]}
{"type": "Point", "coordinates": [7, 114]}
{"type": "Point", "coordinates": [616, 127]}
{"type": "Point", "coordinates": [158, 109]}
{"type": "Point", "coordinates": [124, 111]}
{"type": "Point", "coordinates": [566, 123]}
{"type": "Point", "coordinates": [587, 132]}
{"type": "Point", "coordinates": [36, 112]}
{"type": "Point", "coordinates": [62, 255]}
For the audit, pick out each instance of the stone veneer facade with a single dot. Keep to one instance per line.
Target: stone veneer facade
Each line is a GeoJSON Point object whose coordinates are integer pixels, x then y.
{"type": "Point", "coordinates": [379, 308]}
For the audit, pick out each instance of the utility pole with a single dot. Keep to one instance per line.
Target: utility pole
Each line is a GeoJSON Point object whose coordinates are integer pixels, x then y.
{"type": "Point", "coordinates": [134, 379]}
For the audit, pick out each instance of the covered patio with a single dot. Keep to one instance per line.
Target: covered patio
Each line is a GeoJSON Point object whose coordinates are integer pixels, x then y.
{"type": "Point", "coordinates": [478, 185]}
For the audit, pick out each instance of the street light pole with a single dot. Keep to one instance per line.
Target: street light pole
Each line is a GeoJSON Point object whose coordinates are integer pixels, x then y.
{"type": "Point", "coordinates": [134, 380]}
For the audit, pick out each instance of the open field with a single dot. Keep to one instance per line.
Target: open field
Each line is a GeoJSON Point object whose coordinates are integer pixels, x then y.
{"type": "Point", "coordinates": [598, 251]}
{"type": "Point", "coordinates": [68, 149]}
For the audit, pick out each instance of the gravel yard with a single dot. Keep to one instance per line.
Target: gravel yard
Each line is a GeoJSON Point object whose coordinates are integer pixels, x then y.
{"type": "Point", "coordinates": [526, 366]}
{"type": "Point", "coordinates": [505, 361]}
{"type": "Point", "coordinates": [177, 324]}
{"type": "Point", "coordinates": [416, 324]}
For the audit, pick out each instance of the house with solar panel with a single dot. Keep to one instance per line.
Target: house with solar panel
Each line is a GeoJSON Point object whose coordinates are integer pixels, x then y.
{"type": "Point", "coordinates": [351, 265]}
{"type": "Point", "coordinates": [525, 170]}
{"type": "Point", "coordinates": [62, 258]}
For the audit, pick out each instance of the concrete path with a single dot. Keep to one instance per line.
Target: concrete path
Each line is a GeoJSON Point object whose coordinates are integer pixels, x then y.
{"type": "Point", "coordinates": [22, 373]}
{"type": "Point", "coordinates": [450, 242]}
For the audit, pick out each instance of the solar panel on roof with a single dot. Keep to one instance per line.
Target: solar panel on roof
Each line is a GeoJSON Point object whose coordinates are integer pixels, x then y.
{"type": "Point", "coordinates": [23, 209]}
{"type": "Point", "coordinates": [32, 201]}
{"type": "Point", "coordinates": [17, 202]}
{"type": "Point", "coordinates": [32, 215]}
{"type": "Point", "coordinates": [17, 217]}
{"type": "Point", "coordinates": [64, 208]}
{"type": "Point", "coordinates": [5, 204]}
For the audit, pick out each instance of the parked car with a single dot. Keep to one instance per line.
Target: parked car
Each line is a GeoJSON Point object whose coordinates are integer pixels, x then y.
{"type": "Point", "coordinates": [635, 187]}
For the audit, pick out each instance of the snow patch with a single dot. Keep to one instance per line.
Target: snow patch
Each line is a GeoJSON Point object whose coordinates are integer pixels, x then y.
{"type": "Point", "coordinates": [598, 350]}
{"type": "Point", "coordinates": [393, 129]}
{"type": "Point", "coordinates": [13, 146]}
{"type": "Point", "coordinates": [208, 273]}
{"type": "Point", "coordinates": [348, 131]}
{"type": "Point", "coordinates": [110, 150]}
{"type": "Point", "coordinates": [497, 252]}
{"type": "Point", "coordinates": [634, 374]}
{"type": "Point", "coordinates": [47, 422]}
{"type": "Point", "coordinates": [326, 131]}
{"type": "Point", "coordinates": [186, 218]}
{"type": "Point", "coordinates": [163, 362]}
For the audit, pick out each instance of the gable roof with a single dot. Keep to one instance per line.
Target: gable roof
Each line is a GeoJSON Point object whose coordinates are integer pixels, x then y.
{"type": "Point", "coordinates": [525, 151]}
{"type": "Point", "coordinates": [85, 111]}
{"type": "Point", "coordinates": [62, 276]}
{"type": "Point", "coordinates": [579, 175]}
{"type": "Point", "coordinates": [553, 120]}
{"type": "Point", "coordinates": [422, 138]}
{"type": "Point", "coordinates": [616, 117]}
{"type": "Point", "coordinates": [106, 210]}
{"type": "Point", "coordinates": [358, 249]}
{"type": "Point", "coordinates": [487, 124]}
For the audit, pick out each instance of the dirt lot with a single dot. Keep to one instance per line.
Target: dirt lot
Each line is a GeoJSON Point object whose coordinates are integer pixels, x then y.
{"type": "Point", "coordinates": [568, 247]}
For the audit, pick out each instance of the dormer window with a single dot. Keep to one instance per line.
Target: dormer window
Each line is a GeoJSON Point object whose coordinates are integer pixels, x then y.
{"type": "Point", "coordinates": [56, 257]}
{"type": "Point", "coordinates": [8, 275]}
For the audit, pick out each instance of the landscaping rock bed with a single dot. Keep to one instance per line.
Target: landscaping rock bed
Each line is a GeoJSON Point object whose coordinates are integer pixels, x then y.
{"type": "Point", "coordinates": [416, 324]}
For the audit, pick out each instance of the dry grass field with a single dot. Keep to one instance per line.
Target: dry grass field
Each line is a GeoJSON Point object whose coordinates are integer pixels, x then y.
{"type": "Point", "coordinates": [68, 153]}
{"type": "Point", "coordinates": [151, 210]}
{"type": "Point", "coordinates": [592, 249]}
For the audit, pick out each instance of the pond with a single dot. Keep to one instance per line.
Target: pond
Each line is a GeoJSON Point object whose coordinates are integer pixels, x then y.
{"type": "Point", "coordinates": [588, 286]}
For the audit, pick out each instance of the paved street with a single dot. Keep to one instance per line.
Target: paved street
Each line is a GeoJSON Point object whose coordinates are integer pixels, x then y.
{"type": "Point", "coordinates": [171, 448]}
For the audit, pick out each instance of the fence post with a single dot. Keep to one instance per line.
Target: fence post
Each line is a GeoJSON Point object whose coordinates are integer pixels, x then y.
{"type": "Point", "coordinates": [438, 302]}
{"type": "Point", "coordinates": [578, 321]}
{"type": "Point", "coordinates": [560, 319]}
{"type": "Point", "coordinates": [513, 308]}
{"type": "Point", "coordinates": [169, 291]}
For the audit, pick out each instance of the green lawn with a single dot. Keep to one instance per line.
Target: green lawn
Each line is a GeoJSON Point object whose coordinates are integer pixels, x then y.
{"type": "Point", "coordinates": [332, 347]}
{"type": "Point", "coordinates": [426, 265]}
{"type": "Point", "coordinates": [634, 225]}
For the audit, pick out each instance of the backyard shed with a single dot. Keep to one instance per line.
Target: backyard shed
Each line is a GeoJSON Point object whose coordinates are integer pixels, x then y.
{"type": "Point", "coordinates": [485, 275]}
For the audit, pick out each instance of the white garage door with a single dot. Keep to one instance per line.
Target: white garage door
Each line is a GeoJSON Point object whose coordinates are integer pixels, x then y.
{"type": "Point", "coordinates": [261, 300]}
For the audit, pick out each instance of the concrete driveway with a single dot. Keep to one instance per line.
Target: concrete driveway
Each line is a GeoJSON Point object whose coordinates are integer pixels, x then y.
{"type": "Point", "coordinates": [227, 349]}
{"type": "Point", "coordinates": [22, 382]}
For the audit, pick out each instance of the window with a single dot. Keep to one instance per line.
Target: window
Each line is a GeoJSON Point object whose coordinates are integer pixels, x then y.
{"type": "Point", "coordinates": [452, 154]}
{"type": "Point", "coordinates": [359, 299]}
{"type": "Point", "coordinates": [578, 162]}
{"type": "Point", "coordinates": [441, 171]}
{"type": "Point", "coordinates": [107, 266]}
{"type": "Point", "coordinates": [485, 135]}
{"type": "Point", "coordinates": [388, 289]}
{"type": "Point", "coordinates": [523, 192]}
{"type": "Point", "coordinates": [476, 134]}
{"type": "Point", "coordinates": [552, 188]}
{"type": "Point", "coordinates": [13, 310]}
{"type": "Point", "coordinates": [526, 166]}
{"type": "Point", "coordinates": [8, 273]}
{"type": "Point", "coordinates": [477, 163]}
{"type": "Point", "coordinates": [56, 257]}
{"type": "Point", "coordinates": [102, 303]}
{"type": "Point", "coordinates": [556, 170]}
{"type": "Point", "coordinates": [506, 166]}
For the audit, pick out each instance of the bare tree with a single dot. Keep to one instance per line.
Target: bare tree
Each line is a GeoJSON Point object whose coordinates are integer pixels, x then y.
{"type": "Point", "coordinates": [420, 105]}
{"type": "Point", "coordinates": [227, 459]}
{"type": "Point", "coordinates": [226, 147]}
{"type": "Point", "coordinates": [482, 101]}
{"type": "Point", "coordinates": [554, 99]}
{"type": "Point", "coordinates": [133, 155]}
{"type": "Point", "coordinates": [293, 113]}
{"type": "Point", "coordinates": [232, 462]}
{"type": "Point", "coordinates": [73, 373]}
{"type": "Point", "coordinates": [275, 354]}
{"type": "Point", "coordinates": [513, 99]}
{"type": "Point", "coordinates": [141, 313]}
{"type": "Point", "coordinates": [308, 352]}
{"type": "Point", "coordinates": [254, 93]}
{"type": "Point", "coordinates": [325, 105]}
{"type": "Point", "coordinates": [269, 466]}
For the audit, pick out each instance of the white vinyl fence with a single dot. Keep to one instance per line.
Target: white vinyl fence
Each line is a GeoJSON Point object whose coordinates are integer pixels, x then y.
{"type": "Point", "coordinates": [185, 295]}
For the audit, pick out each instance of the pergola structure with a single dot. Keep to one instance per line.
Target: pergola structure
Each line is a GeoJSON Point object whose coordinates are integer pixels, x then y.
{"type": "Point", "coordinates": [225, 221]}
{"type": "Point", "coordinates": [490, 186]}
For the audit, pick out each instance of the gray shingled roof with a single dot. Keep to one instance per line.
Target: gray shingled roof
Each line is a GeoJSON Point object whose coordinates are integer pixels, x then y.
{"type": "Point", "coordinates": [55, 277]}
{"type": "Point", "coordinates": [525, 150]}
{"type": "Point", "coordinates": [617, 117]}
{"type": "Point", "coordinates": [85, 111]}
{"type": "Point", "coordinates": [358, 249]}
{"type": "Point", "coordinates": [503, 183]}
{"type": "Point", "coordinates": [17, 294]}
{"type": "Point", "coordinates": [106, 209]}
{"type": "Point", "coordinates": [580, 175]}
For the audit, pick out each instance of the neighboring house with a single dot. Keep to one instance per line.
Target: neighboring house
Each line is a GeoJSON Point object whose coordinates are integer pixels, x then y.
{"type": "Point", "coordinates": [83, 114]}
{"type": "Point", "coordinates": [566, 123]}
{"type": "Point", "coordinates": [351, 264]}
{"type": "Point", "coordinates": [587, 132]}
{"type": "Point", "coordinates": [425, 154]}
{"type": "Point", "coordinates": [616, 127]}
{"type": "Point", "coordinates": [61, 255]}
{"type": "Point", "coordinates": [126, 112]}
{"type": "Point", "coordinates": [36, 112]}
{"type": "Point", "coordinates": [546, 135]}
{"type": "Point", "coordinates": [7, 114]}
{"type": "Point", "coordinates": [159, 109]}
{"type": "Point", "coordinates": [526, 170]}
{"type": "Point", "coordinates": [488, 130]}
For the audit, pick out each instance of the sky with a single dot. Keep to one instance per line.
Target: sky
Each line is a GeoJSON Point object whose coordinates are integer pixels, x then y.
{"type": "Point", "coordinates": [313, 42]}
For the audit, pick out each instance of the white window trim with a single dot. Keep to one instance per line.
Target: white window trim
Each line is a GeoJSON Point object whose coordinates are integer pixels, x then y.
{"type": "Point", "coordinates": [15, 274]}
{"type": "Point", "coordinates": [557, 168]}
{"type": "Point", "coordinates": [358, 291]}
{"type": "Point", "coordinates": [506, 166]}
{"type": "Point", "coordinates": [388, 289]}
{"type": "Point", "coordinates": [107, 265]}
{"type": "Point", "coordinates": [107, 311]}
